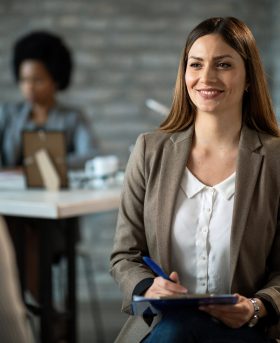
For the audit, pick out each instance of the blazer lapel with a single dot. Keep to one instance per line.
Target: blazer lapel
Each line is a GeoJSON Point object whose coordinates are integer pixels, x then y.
{"type": "Point", "coordinates": [174, 161]}
{"type": "Point", "coordinates": [248, 168]}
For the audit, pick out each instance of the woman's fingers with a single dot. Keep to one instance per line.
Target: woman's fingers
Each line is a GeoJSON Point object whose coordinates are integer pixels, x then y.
{"type": "Point", "coordinates": [163, 287]}
{"type": "Point", "coordinates": [170, 286]}
{"type": "Point", "coordinates": [232, 315]}
{"type": "Point", "coordinates": [174, 277]}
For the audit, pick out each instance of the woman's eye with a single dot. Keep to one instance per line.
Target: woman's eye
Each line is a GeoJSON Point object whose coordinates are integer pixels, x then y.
{"type": "Point", "coordinates": [195, 65]}
{"type": "Point", "coordinates": [224, 65]}
{"type": "Point", "coordinates": [31, 80]}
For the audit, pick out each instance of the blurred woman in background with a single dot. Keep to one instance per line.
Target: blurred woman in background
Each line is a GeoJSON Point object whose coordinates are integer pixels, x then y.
{"type": "Point", "coordinates": [42, 67]}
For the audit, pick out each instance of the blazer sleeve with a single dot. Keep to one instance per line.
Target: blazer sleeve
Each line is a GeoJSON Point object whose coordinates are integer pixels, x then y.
{"type": "Point", "coordinates": [271, 290]}
{"type": "Point", "coordinates": [130, 242]}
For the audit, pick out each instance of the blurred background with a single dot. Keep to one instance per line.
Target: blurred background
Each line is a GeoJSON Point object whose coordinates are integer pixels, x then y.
{"type": "Point", "coordinates": [125, 52]}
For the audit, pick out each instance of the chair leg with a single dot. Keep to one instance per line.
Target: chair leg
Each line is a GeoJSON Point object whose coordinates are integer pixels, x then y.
{"type": "Point", "coordinates": [94, 302]}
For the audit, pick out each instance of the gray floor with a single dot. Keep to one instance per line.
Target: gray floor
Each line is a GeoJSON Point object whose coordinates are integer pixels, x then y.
{"type": "Point", "coordinates": [97, 239]}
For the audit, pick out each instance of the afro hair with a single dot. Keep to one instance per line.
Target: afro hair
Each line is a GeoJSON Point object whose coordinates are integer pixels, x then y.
{"type": "Point", "coordinates": [48, 49]}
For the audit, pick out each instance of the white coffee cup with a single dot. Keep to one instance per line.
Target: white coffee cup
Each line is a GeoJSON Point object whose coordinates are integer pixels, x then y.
{"type": "Point", "coordinates": [102, 166]}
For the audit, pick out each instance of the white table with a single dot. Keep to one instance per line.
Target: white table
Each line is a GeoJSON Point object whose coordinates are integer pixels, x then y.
{"type": "Point", "coordinates": [35, 203]}
{"type": "Point", "coordinates": [56, 205]}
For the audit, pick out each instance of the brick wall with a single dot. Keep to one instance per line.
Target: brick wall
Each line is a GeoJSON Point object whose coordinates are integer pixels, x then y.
{"type": "Point", "coordinates": [126, 51]}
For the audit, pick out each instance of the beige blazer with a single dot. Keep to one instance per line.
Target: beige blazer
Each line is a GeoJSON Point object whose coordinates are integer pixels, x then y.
{"type": "Point", "coordinates": [153, 176]}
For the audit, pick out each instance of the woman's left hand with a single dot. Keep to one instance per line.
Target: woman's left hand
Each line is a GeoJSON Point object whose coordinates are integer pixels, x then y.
{"type": "Point", "coordinates": [233, 316]}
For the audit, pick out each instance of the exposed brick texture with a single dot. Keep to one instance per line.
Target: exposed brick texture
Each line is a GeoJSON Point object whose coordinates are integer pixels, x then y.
{"type": "Point", "coordinates": [126, 51]}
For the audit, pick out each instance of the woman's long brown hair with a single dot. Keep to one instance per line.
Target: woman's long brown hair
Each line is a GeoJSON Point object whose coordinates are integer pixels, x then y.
{"type": "Point", "coordinates": [258, 111]}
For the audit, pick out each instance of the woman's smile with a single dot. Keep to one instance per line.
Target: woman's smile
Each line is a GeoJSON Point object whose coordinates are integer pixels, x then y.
{"type": "Point", "coordinates": [209, 94]}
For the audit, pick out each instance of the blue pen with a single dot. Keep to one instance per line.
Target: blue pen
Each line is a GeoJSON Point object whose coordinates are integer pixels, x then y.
{"type": "Point", "coordinates": [155, 268]}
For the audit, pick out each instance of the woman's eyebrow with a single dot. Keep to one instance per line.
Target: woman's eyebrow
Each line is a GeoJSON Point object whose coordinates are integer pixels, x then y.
{"type": "Point", "coordinates": [222, 56]}
{"type": "Point", "coordinates": [196, 58]}
{"type": "Point", "coordinates": [215, 58]}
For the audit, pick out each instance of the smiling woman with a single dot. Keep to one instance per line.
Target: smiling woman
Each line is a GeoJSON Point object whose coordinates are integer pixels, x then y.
{"type": "Point", "coordinates": [201, 198]}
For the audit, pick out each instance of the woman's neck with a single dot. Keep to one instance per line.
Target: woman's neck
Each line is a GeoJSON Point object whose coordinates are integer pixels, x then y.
{"type": "Point", "coordinates": [39, 113]}
{"type": "Point", "coordinates": [210, 132]}
{"type": "Point", "coordinates": [214, 152]}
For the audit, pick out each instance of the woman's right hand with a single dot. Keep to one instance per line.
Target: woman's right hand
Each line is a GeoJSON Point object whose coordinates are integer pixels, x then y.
{"type": "Point", "coordinates": [162, 287]}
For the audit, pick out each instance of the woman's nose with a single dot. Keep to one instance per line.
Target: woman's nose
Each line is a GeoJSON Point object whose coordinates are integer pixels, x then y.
{"type": "Point", "coordinates": [27, 84]}
{"type": "Point", "coordinates": [208, 73]}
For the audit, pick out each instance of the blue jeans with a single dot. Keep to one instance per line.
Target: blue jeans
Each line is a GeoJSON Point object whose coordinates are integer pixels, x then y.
{"type": "Point", "coordinates": [194, 326]}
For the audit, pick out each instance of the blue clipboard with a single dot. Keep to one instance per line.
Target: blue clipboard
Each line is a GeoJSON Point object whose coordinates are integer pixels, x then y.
{"type": "Point", "coordinates": [141, 304]}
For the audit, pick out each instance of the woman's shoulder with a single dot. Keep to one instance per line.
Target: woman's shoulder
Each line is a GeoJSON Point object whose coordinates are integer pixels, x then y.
{"type": "Point", "coordinates": [160, 137]}
{"type": "Point", "coordinates": [154, 141]}
{"type": "Point", "coordinates": [270, 144]}
{"type": "Point", "coordinates": [71, 113]}
{"type": "Point", "coordinates": [11, 108]}
{"type": "Point", "coordinates": [10, 113]}
{"type": "Point", "coordinates": [155, 135]}
{"type": "Point", "coordinates": [64, 108]}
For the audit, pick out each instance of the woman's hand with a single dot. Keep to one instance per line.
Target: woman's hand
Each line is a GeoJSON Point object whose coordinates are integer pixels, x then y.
{"type": "Point", "coordinates": [236, 315]}
{"type": "Point", "coordinates": [162, 287]}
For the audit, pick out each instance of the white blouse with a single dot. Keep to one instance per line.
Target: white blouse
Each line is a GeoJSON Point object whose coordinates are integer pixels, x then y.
{"type": "Point", "coordinates": [200, 244]}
